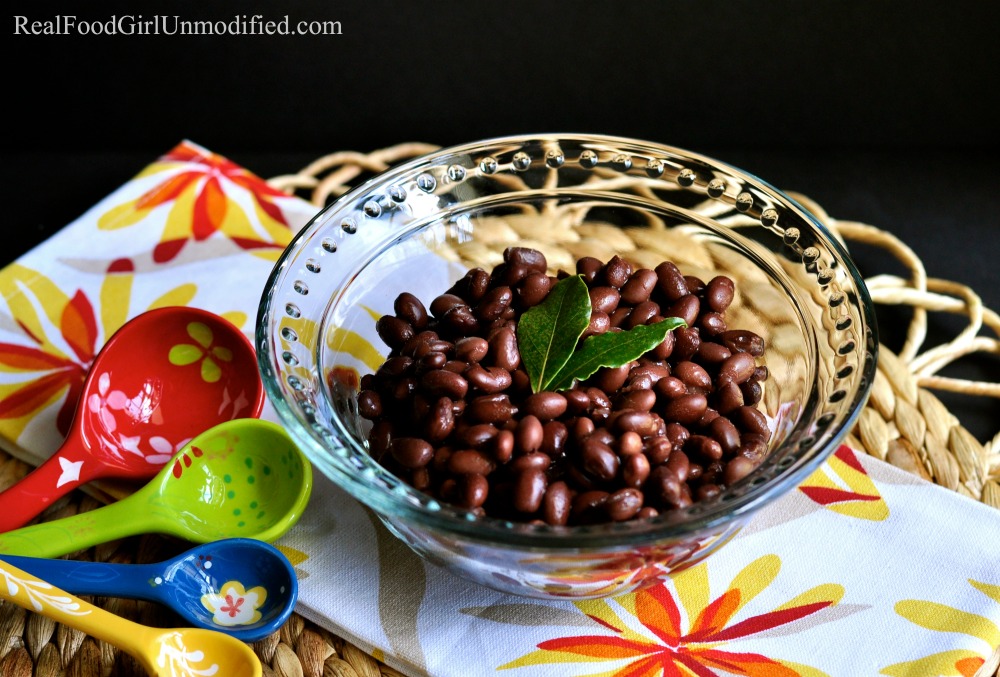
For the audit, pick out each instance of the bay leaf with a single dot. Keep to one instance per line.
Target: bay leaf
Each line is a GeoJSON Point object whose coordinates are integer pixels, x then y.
{"type": "Point", "coordinates": [547, 334]}
{"type": "Point", "coordinates": [611, 349]}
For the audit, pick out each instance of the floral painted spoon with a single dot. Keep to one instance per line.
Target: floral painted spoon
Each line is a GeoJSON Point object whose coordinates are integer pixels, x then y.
{"type": "Point", "coordinates": [243, 478]}
{"type": "Point", "coordinates": [240, 586]}
{"type": "Point", "coordinates": [163, 377]}
{"type": "Point", "coordinates": [172, 652]}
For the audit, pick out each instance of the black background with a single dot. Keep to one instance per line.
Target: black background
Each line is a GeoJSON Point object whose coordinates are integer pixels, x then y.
{"type": "Point", "coordinates": [883, 112]}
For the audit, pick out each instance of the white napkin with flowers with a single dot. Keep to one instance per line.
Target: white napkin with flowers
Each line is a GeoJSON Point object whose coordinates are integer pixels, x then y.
{"type": "Point", "coordinates": [862, 570]}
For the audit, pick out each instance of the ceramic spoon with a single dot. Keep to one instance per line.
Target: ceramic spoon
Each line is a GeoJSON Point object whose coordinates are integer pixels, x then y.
{"type": "Point", "coordinates": [176, 651]}
{"type": "Point", "coordinates": [240, 586]}
{"type": "Point", "coordinates": [242, 478]}
{"type": "Point", "coordinates": [161, 379]}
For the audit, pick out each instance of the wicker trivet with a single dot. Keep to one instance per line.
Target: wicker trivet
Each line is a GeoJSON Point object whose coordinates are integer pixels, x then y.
{"type": "Point", "coordinates": [903, 424]}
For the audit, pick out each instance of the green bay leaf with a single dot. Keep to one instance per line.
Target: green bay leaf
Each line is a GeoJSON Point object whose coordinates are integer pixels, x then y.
{"type": "Point", "coordinates": [547, 334]}
{"type": "Point", "coordinates": [612, 349]}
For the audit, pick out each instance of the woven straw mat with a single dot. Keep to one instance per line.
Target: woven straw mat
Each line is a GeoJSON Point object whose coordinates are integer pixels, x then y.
{"type": "Point", "coordinates": [903, 424]}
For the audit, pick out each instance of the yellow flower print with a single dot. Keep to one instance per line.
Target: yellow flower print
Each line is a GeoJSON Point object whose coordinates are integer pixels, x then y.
{"type": "Point", "coordinates": [232, 605]}
{"type": "Point", "coordinates": [843, 486]}
{"type": "Point", "coordinates": [184, 354]}
{"type": "Point", "coordinates": [942, 618]}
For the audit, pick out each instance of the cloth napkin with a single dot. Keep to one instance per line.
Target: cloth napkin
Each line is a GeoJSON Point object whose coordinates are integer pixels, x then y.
{"type": "Point", "coordinates": [862, 570]}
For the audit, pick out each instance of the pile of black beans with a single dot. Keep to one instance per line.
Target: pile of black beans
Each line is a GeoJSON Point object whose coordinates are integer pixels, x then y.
{"type": "Point", "coordinates": [454, 415]}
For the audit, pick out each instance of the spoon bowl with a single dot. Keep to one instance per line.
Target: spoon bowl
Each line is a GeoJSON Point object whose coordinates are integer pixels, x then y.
{"type": "Point", "coordinates": [242, 478]}
{"type": "Point", "coordinates": [240, 586]}
{"type": "Point", "coordinates": [163, 377]}
{"type": "Point", "coordinates": [175, 651]}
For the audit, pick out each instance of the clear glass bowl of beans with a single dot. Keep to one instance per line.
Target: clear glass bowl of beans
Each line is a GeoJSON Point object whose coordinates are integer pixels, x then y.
{"type": "Point", "coordinates": [388, 340]}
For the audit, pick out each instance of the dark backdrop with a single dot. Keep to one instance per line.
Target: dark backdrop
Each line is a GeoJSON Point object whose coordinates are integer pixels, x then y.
{"type": "Point", "coordinates": [882, 111]}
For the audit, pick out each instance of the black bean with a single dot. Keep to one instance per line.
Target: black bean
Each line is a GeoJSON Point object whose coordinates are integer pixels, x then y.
{"type": "Point", "coordinates": [409, 308]}
{"type": "Point", "coordinates": [369, 404]}
{"type": "Point", "coordinates": [411, 452]}
{"type": "Point", "coordinates": [533, 289]}
{"type": "Point", "coordinates": [490, 408]}
{"type": "Point", "coordinates": [488, 379]}
{"type": "Point", "coordinates": [469, 461]}
{"type": "Point", "coordinates": [670, 281]}
{"type": "Point", "coordinates": [446, 383]}
{"type": "Point", "coordinates": [751, 420]}
{"type": "Point", "coordinates": [737, 369]}
{"type": "Point", "coordinates": [441, 421]}
{"type": "Point", "coordinates": [460, 319]}
{"type": "Point", "coordinates": [472, 490]}
{"type": "Point", "coordinates": [719, 293]}
{"type": "Point", "coordinates": [686, 409]}
{"type": "Point", "coordinates": [528, 436]}
{"type": "Point", "coordinates": [589, 267]}
{"type": "Point", "coordinates": [545, 405]}
{"type": "Point", "coordinates": [693, 375]}
{"type": "Point", "coordinates": [609, 379]}
{"type": "Point", "coordinates": [726, 434]}
{"type": "Point", "coordinates": [639, 286]}
{"type": "Point", "coordinates": [738, 468]}
{"type": "Point", "coordinates": [471, 348]}
{"type": "Point", "coordinates": [503, 350]}
{"type": "Point", "coordinates": [617, 271]}
{"type": "Point", "coordinates": [556, 504]}
{"type": "Point", "coordinates": [743, 341]}
{"type": "Point", "coordinates": [604, 299]}
{"type": "Point", "coordinates": [635, 470]}
{"type": "Point", "coordinates": [686, 308]}
{"type": "Point", "coordinates": [642, 314]}
{"type": "Point", "coordinates": [711, 324]}
{"type": "Point", "coordinates": [623, 504]}
{"type": "Point", "coordinates": [393, 331]}
{"type": "Point", "coordinates": [599, 323]}
{"type": "Point", "coordinates": [444, 303]}
{"type": "Point", "coordinates": [554, 435]}
{"type": "Point", "coordinates": [503, 446]}
{"type": "Point", "coordinates": [529, 490]}
{"type": "Point", "coordinates": [687, 340]}
{"type": "Point", "coordinates": [494, 303]}
{"type": "Point", "coordinates": [530, 258]}
{"type": "Point", "coordinates": [712, 353]}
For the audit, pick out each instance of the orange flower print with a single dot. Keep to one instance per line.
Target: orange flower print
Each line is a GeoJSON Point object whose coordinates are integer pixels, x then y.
{"type": "Point", "coordinates": [57, 373]}
{"type": "Point", "coordinates": [843, 486]}
{"type": "Point", "coordinates": [207, 194]}
{"type": "Point", "coordinates": [675, 628]}
{"type": "Point", "coordinates": [965, 662]}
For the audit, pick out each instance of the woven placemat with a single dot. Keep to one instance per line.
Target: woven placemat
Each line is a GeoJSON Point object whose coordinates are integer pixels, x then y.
{"type": "Point", "coordinates": [903, 424]}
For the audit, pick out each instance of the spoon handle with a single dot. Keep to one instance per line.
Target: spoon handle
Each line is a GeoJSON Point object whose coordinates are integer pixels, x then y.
{"type": "Point", "coordinates": [132, 581]}
{"type": "Point", "coordinates": [36, 595]}
{"type": "Point", "coordinates": [57, 476]}
{"type": "Point", "coordinates": [83, 530]}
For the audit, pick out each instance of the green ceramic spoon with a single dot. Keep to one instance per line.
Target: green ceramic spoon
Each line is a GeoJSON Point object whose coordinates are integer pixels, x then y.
{"type": "Point", "coordinates": [242, 478]}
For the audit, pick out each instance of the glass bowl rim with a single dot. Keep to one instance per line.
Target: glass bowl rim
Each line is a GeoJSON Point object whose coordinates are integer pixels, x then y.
{"type": "Point", "coordinates": [492, 531]}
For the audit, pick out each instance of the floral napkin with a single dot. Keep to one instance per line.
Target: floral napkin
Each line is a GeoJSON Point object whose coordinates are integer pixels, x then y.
{"type": "Point", "coordinates": [862, 570]}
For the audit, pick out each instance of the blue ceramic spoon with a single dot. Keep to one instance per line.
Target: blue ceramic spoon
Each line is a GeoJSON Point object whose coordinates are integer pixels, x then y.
{"type": "Point", "coordinates": [240, 586]}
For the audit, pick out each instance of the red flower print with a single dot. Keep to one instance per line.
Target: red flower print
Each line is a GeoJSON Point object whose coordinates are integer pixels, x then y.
{"type": "Point", "coordinates": [232, 607]}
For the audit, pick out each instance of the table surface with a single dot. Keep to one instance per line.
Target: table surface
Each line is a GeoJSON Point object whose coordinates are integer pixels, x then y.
{"type": "Point", "coordinates": [944, 205]}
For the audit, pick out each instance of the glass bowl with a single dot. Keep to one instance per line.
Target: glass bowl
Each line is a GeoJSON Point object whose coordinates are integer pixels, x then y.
{"type": "Point", "coordinates": [420, 226]}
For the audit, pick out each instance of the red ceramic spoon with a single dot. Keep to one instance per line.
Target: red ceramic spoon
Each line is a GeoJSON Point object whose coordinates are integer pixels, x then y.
{"type": "Point", "coordinates": [164, 377]}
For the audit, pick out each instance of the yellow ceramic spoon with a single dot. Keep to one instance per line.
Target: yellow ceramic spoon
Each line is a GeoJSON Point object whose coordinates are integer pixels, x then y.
{"type": "Point", "coordinates": [175, 652]}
